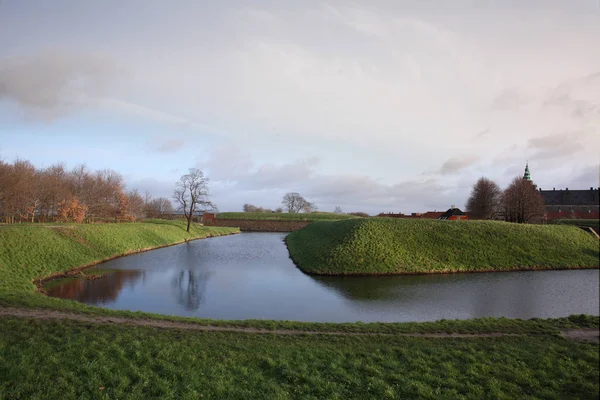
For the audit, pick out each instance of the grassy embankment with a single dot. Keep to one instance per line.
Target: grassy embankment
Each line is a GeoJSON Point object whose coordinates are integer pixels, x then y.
{"type": "Point", "coordinates": [73, 360]}
{"type": "Point", "coordinates": [396, 246]}
{"type": "Point", "coordinates": [32, 251]}
{"type": "Point", "coordinates": [264, 216]}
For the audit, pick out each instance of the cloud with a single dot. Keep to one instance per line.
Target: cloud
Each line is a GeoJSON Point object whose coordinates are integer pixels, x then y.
{"type": "Point", "coordinates": [585, 177]}
{"type": "Point", "coordinates": [265, 183]}
{"type": "Point", "coordinates": [555, 146]}
{"type": "Point", "coordinates": [579, 97]}
{"type": "Point", "coordinates": [51, 83]}
{"type": "Point", "coordinates": [457, 164]}
{"type": "Point", "coordinates": [168, 145]}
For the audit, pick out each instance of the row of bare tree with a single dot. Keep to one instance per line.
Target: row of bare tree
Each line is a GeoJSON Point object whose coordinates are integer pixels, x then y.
{"type": "Point", "coordinates": [29, 194]}
{"type": "Point", "coordinates": [252, 208]}
{"type": "Point", "coordinates": [292, 203]}
{"type": "Point", "coordinates": [520, 202]}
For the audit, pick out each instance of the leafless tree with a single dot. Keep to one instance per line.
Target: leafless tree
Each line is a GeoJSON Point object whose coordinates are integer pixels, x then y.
{"type": "Point", "coordinates": [521, 202]}
{"type": "Point", "coordinates": [253, 208]}
{"type": "Point", "coordinates": [338, 210]}
{"type": "Point", "coordinates": [294, 203]}
{"type": "Point", "coordinates": [309, 207]}
{"type": "Point", "coordinates": [159, 207]}
{"type": "Point", "coordinates": [484, 201]}
{"type": "Point", "coordinates": [136, 204]}
{"type": "Point", "coordinates": [191, 194]}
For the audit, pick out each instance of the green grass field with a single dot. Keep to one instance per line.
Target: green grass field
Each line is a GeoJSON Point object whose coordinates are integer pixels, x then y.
{"type": "Point", "coordinates": [74, 360]}
{"type": "Point", "coordinates": [32, 251]}
{"type": "Point", "coordinates": [258, 216]}
{"type": "Point", "coordinates": [393, 246]}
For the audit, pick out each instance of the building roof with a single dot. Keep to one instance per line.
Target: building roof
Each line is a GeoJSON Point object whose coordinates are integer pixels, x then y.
{"type": "Point", "coordinates": [570, 197]}
{"type": "Point", "coordinates": [527, 175]}
{"type": "Point", "coordinates": [451, 212]}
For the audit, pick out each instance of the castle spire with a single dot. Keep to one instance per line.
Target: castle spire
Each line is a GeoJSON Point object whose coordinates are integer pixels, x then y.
{"type": "Point", "coordinates": [527, 175]}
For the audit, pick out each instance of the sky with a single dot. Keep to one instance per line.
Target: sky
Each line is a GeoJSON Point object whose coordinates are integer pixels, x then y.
{"type": "Point", "coordinates": [373, 106]}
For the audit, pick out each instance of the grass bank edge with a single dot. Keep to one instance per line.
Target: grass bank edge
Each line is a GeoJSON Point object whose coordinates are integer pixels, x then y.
{"type": "Point", "coordinates": [535, 326]}
{"type": "Point", "coordinates": [387, 246]}
{"type": "Point", "coordinates": [39, 282]}
{"type": "Point", "coordinates": [31, 254]}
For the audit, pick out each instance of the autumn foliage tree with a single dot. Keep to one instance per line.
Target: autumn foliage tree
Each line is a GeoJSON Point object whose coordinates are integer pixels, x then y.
{"type": "Point", "coordinates": [484, 201]}
{"type": "Point", "coordinates": [521, 202]}
{"type": "Point", "coordinates": [70, 210]}
{"type": "Point", "coordinates": [29, 194]}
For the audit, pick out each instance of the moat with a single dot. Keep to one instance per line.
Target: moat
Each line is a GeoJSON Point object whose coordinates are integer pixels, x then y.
{"type": "Point", "coordinates": [250, 276]}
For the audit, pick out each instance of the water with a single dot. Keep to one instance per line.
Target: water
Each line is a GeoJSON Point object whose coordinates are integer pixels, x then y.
{"type": "Point", "coordinates": [250, 276]}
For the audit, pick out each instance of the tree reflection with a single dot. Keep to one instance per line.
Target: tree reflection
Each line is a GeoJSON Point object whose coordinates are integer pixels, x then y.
{"type": "Point", "coordinates": [189, 288]}
{"type": "Point", "coordinates": [96, 291]}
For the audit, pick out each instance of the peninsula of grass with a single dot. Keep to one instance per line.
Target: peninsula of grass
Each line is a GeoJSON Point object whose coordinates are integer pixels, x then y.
{"type": "Point", "coordinates": [267, 216]}
{"type": "Point", "coordinates": [29, 252]}
{"type": "Point", "coordinates": [380, 246]}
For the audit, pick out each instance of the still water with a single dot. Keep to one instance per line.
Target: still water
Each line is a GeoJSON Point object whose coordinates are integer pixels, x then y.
{"type": "Point", "coordinates": [250, 276]}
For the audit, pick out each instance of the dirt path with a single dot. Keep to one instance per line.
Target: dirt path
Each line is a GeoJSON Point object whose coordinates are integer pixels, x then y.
{"type": "Point", "coordinates": [589, 335]}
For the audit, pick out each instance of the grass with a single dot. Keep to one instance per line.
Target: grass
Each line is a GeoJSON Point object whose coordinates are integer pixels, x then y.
{"type": "Point", "coordinates": [76, 360]}
{"type": "Point", "coordinates": [395, 246]}
{"type": "Point", "coordinates": [259, 216]}
{"type": "Point", "coordinates": [29, 252]}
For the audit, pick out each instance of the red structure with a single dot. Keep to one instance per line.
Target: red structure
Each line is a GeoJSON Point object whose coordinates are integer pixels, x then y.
{"type": "Point", "coordinates": [453, 214]}
{"type": "Point", "coordinates": [209, 218]}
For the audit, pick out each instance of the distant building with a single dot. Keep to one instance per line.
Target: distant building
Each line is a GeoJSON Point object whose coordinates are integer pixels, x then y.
{"type": "Point", "coordinates": [568, 204]}
{"type": "Point", "coordinates": [453, 214]}
{"type": "Point", "coordinates": [571, 204]}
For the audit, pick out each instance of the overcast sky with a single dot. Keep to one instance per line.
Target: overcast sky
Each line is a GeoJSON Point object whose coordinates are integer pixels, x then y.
{"type": "Point", "coordinates": [373, 106]}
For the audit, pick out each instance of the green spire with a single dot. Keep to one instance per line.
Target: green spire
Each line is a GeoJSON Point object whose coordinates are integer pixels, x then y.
{"type": "Point", "coordinates": [527, 175]}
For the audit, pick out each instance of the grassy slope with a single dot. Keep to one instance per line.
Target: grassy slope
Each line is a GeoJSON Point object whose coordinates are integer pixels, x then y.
{"type": "Point", "coordinates": [76, 360]}
{"type": "Point", "coordinates": [28, 252]}
{"type": "Point", "coordinates": [283, 216]}
{"type": "Point", "coordinates": [388, 246]}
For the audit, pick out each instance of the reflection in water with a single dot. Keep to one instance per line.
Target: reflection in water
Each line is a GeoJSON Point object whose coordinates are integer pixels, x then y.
{"type": "Point", "coordinates": [101, 290]}
{"type": "Point", "coordinates": [189, 288]}
{"type": "Point", "coordinates": [251, 276]}
{"type": "Point", "coordinates": [372, 288]}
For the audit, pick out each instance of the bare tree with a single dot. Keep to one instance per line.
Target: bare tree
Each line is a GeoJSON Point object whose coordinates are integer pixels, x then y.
{"type": "Point", "coordinates": [253, 208]}
{"type": "Point", "coordinates": [294, 203]}
{"type": "Point", "coordinates": [136, 204]}
{"type": "Point", "coordinates": [484, 201]}
{"type": "Point", "coordinates": [521, 202]}
{"type": "Point", "coordinates": [309, 207]}
{"type": "Point", "coordinates": [338, 210]}
{"type": "Point", "coordinates": [191, 194]}
{"type": "Point", "coordinates": [159, 207]}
